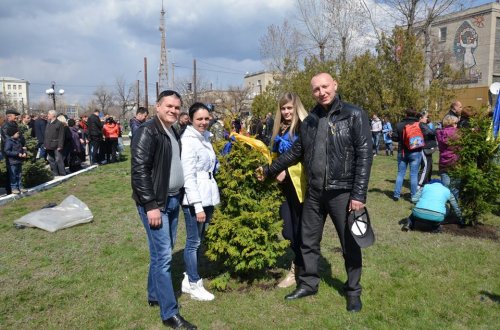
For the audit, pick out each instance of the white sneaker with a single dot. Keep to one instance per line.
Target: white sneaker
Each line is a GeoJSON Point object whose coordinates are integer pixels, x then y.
{"type": "Point", "coordinates": [198, 292]}
{"type": "Point", "coordinates": [185, 287]}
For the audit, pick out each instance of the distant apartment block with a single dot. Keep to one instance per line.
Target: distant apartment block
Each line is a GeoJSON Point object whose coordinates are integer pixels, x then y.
{"type": "Point", "coordinates": [469, 41]}
{"type": "Point", "coordinates": [257, 82]}
{"type": "Point", "coordinates": [15, 92]}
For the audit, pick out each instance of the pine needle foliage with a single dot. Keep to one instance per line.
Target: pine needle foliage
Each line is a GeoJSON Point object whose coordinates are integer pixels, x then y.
{"type": "Point", "coordinates": [478, 169]}
{"type": "Point", "coordinates": [245, 232]}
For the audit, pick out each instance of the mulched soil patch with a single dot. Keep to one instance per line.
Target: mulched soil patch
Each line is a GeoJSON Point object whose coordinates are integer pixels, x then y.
{"type": "Point", "coordinates": [478, 231]}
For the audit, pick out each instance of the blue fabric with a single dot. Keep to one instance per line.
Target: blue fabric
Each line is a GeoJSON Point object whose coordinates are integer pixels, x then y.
{"type": "Point", "coordinates": [451, 183]}
{"type": "Point", "coordinates": [15, 171]}
{"type": "Point", "coordinates": [422, 214]}
{"type": "Point", "coordinates": [496, 118]}
{"type": "Point", "coordinates": [194, 235]}
{"type": "Point", "coordinates": [161, 244]}
{"type": "Point", "coordinates": [434, 197]}
{"type": "Point", "coordinates": [283, 143]}
{"type": "Point", "coordinates": [228, 146]}
{"type": "Point", "coordinates": [387, 129]}
{"type": "Point", "coordinates": [412, 159]}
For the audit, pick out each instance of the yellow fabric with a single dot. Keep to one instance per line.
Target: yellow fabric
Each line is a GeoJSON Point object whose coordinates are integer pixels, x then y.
{"type": "Point", "coordinates": [254, 143]}
{"type": "Point", "coordinates": [298, 177]}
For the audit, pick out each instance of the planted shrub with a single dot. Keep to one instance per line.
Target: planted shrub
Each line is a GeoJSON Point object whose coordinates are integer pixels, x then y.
{"type": "Point", "coordinates": [245, 233]}
{"type": "Point", "coordinates": [35, 173]}
{"type": "Point", "coordinates": [478, 170]}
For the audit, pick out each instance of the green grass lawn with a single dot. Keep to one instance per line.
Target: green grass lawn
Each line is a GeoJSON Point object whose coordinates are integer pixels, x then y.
{"type": "Point", "coordinates": [93, 276]}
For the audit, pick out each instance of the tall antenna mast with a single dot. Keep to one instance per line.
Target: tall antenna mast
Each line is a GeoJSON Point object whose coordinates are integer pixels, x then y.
{"type": "Point", "coordinates": [163, 70]}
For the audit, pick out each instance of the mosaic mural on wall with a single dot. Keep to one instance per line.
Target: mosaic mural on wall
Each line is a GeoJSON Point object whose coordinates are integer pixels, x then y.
{"type": "Point", "coordinates": [465, 46]}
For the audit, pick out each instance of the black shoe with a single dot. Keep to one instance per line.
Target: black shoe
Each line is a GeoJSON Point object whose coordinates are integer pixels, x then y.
{"type": "Point", "coordinates": [300, 293]}
{"type": "Point", "coordinates": [395, 198]}
{"type": "Point", "coordinates": [354, 304]}
{"type": "Point", "coordinates": [178, 322]}
{"type": "Point", "coordinates": [153, 303]}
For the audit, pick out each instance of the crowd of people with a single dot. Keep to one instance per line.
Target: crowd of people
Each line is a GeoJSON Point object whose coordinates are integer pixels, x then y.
{"type": "Point", "coordinates": [322, 164]}
{"type": "Point", "coordinates": [64, 143]}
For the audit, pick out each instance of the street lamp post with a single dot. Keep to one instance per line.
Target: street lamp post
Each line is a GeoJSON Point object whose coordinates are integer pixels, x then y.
{"type": "Point", "coordinates": [51, 92]}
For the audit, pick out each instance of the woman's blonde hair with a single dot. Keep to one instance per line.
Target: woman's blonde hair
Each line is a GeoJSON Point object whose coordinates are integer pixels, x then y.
{"type": "Point", "coordinates": [450, 120]}
{"type": "Point", "coordinates": [299, 114]}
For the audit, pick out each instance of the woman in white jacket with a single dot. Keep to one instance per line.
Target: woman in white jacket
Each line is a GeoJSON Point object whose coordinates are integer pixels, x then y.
{"type": "Point", "coordinates": [201, 194]}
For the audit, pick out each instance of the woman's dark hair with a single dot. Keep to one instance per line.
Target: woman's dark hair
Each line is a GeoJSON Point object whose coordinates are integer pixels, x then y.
{"type": "Point", "coordinates": [71, 122]}
{"type": "Point", "coordinates": [195, 107]}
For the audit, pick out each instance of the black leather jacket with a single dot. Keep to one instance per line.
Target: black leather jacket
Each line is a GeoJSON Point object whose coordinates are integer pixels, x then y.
{"type": "Point", "coordinates": [349, 149]}
{"type": "Point", "coordinates": [151, 158]}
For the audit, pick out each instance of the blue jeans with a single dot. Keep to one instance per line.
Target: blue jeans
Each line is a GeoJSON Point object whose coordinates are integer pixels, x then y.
{"type": "Point", "coordinates": [194, 235]}
{"type": "Point", "coordinates": [15, 171]}
{"type": "Point", "coordinates": [376, 140]}
{"type": "Point", "coordinates": [161, 242]}
{"type": "Point", "coordinates": [413, 159]}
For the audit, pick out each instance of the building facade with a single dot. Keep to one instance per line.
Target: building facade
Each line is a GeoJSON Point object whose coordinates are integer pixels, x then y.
{"type": "Point", "coordinates": [469, 41]}
{"type": "Point", "coordinates": [14, 92]}
{"type": "Point", "coordinates": [257, 82]}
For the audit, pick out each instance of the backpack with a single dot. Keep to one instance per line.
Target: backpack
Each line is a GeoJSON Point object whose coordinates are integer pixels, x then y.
{"type": "Point", "coordinates": [412, 136]}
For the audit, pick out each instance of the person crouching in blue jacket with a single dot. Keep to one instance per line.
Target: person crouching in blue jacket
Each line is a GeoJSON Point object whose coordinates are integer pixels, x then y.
{"type": "Point", "coordinates": [430, 208]}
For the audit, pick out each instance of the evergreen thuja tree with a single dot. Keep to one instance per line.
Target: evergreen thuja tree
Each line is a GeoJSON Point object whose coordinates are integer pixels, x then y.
{"type": "Point", "coordinates": [245, 232]}
{"type": "Point", "coordinates": [35, 171]}
{"type": "Point", "coordinates": [478, 169]}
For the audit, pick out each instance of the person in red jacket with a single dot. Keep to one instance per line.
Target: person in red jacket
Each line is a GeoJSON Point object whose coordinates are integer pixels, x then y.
{"type": "Point", "coordinates": [111, 131]}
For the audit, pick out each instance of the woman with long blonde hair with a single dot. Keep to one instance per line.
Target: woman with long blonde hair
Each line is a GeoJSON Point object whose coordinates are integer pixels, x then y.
{"type": "Point", "coordinates": [287, 121]}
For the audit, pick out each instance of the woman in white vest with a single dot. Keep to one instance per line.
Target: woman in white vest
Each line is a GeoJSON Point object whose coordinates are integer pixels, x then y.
{"type": "Point", "coordinates": [201, 194]}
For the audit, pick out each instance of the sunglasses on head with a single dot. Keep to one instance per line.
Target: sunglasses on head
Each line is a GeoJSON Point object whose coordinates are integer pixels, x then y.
{"type": "Point", "coordinates": [169, 92]}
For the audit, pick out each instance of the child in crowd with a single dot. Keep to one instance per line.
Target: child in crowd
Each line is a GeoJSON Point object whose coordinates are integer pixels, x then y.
{"type": "Point", "coordinates": [16, 153]}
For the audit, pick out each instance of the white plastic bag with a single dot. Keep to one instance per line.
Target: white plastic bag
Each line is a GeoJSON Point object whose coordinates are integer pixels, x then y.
{"type": "Point", "coordinates": [70, 212]}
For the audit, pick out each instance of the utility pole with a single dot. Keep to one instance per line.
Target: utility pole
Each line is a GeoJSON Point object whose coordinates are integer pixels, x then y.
{"type": "Point", "coordinates": [157, 90]}
{"type": "Point", "coordinates": [195, 96]}
{"type": "Point", "coordinates": [163, 70]}
{"type": "Point", "coordinates": [146, 105]}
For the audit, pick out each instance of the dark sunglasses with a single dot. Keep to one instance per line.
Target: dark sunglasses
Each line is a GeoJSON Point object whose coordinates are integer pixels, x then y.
{"type": "Point", "coordinates": [168, 92]}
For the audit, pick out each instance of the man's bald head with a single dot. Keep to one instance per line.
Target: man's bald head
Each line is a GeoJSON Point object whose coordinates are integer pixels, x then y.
{"type": "Point", "coordinates": [323, 88]}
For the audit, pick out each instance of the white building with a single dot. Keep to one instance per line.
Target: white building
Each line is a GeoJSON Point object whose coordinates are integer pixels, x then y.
{"type": "Point", "coordinates": [257, 82]}
{"type": "Point", "coordinates": [16, 92]}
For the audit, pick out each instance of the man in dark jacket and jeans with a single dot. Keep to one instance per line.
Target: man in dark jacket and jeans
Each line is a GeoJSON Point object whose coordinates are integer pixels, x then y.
{"type": "Point", "coordinates": [335, 146]}
{"type": "Point", "coordinates": [95, 137]}
{"type": "Point", "coordinates": [157, 181]}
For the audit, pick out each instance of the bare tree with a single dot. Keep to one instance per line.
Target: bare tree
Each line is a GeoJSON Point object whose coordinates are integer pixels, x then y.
{"type": "Point", "coordinates": [239, 96]}
{"type": "Point", "coordinates": [280, 48]}
{"type": "Point", "coordinates": [103, 98]}
{"type": "Point", "coordinates": [126, 98]}
{"type": "Point", "coordinates": [184, 86]}
{"type": "Point", "coordinates": [314, 16]}
{"type": "Point", "coordinates": [347, 23]}
{"type": "Point", "coordinates": [418, 17]}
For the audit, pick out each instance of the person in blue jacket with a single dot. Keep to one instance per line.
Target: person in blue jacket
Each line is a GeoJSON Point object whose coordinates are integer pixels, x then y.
{"type": "Point", "coordinates": [431, 206]}
{"type": "Point", "coordinates": [387, 131]}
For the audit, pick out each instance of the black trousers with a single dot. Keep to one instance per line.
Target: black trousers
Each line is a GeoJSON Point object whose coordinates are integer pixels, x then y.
{"type": "Point", "coordinates": [291, 213]}
{"type": "Point", "coordinates": [319, 204]}
{"type": "Point", "coordinates": [425, 172]}
{"type": "Point", "coordinates": [111, 147]}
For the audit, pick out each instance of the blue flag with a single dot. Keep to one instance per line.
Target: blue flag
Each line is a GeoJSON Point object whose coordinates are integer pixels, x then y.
{"type": "Point", "coordinates": [496, 118]}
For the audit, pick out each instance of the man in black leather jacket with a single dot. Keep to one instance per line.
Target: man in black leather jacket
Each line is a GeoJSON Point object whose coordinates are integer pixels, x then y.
{"type": "Point", "coordinates": [157, 181]}
{"type": "Point", "coordinates": [335, 146]}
